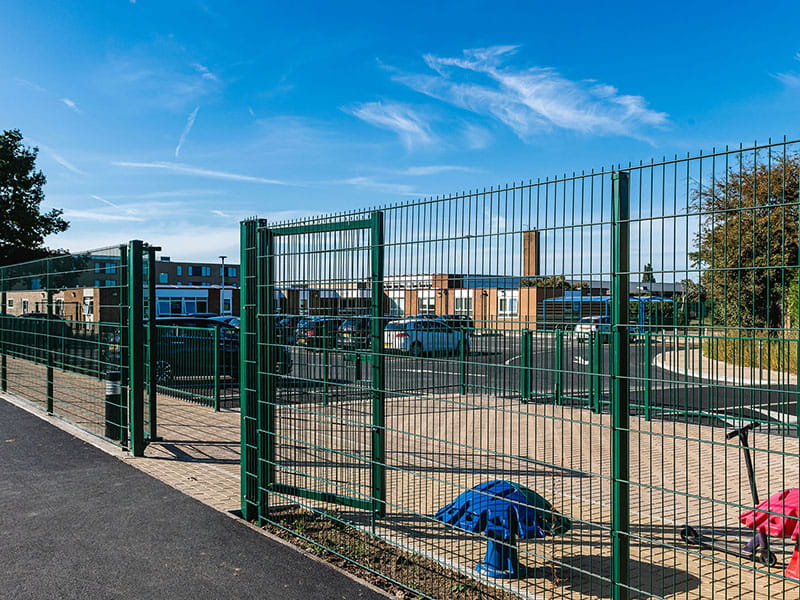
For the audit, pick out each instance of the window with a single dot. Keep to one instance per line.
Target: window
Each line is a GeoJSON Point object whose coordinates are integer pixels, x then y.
{"type": "Point", "coordinates": [98, 267]}
{"type": "Point", "coordinates": [58, 308]}
{"type": "Point", "coordinates": [36, 283]}
{"type": "Point", "coordinates": [231, 271]}
{"type": "Point", "coordinates": [110, 283]}
{"type": "Point", "coordinates": [163, 278]}
{"type": "Point", "coordinates": [189, 271]}
{"type": "Point", "coordinates": [397, 304]}
{"type": "Point", "coordinates": [98, 283]}
{"type": "Point", "coordinates": [507, 303]}
{"type": "Point", "coordinates": [179, 271]}
{"type": "Point", "coordinates": [208, 283]}
{"type": "Point", "coordinates": [426, 303]}
{"type": "Point", "coordinates": [25, 306]}
{"type": "Point", "coordinates": [111, 268]}
{"type": "Point", "coordinates": [205, 271]}
{"type": "Point", "coordinates": [10, 303]}
{"type": "Point", "coordinates": [463, 306]}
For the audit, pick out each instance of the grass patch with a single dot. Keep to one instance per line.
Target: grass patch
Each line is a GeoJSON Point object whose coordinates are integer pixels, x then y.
{"type": "Point", "coordinates": [757, 350]}
{"type": "Point", "coordinates": [401, 573]}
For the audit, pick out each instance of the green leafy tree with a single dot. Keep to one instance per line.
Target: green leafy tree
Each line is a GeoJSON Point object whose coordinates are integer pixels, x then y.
{"type": "Point", "coordinates": [23, 226]}
{"type": "Point", "coordinates": [647, 274]}
{"type": "Point", "coordinates": [747, 241]}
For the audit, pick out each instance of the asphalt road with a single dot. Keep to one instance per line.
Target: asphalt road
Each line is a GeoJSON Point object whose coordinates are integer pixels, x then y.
{"type": "Point", "coordinates": [493, 367]}
{"type": "Point", "coordinates": [78, 523]}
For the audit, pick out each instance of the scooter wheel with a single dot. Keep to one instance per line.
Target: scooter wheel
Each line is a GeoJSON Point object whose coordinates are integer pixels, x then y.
{"type": "Point", "coordinates": [765, 556]}
{"type": "Point", "coordinates": [689, 534]}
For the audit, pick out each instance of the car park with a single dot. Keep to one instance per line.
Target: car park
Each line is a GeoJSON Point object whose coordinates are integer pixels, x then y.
{"type": "Point", "coordinates": [355, 333]}
{"type": "Point", "coordinates": [318, 332]}
{"type": "Point", "coordinates": [422, 336]}
{"type": "Point", "coordinates": [458, 322]}
{"type": "Point", "coordinates": [286, 328]}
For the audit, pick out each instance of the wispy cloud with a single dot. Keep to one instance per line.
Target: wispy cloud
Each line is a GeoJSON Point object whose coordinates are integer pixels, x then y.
{"type": "Point", "coordinates": [432, 170]}
{"type": "Point", "coordinates": [788, 79]}
{"type": "Point", "coordinates": [400, 119]}
{"type": "Point", "coordinates": [186, 130]}
{"type": "Point", "coordinates": [204, 72]}
{"type": "Point", "coordinates": [70, 104]}
{"type": "Point", "coordinates": [369, 183]}
{"type": "Point", "coordinates": [189, 170]}
{"type": "Point", "coordinates": [531, 100]}
{"type": "Point", "coordinates": [29, 84]}
{"type": "Point", "coordinates": [166, 194]}
{"type": "Point", "coordinates": [130, 211]}
{"type": "Point", "coordinates": [100, 215]}
{"type": "Point", "coordinates": [219, 213]}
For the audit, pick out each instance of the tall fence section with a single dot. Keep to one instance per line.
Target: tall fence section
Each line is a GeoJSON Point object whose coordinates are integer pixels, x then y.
{"type": "Point", "coordinates": [73, 340]}
{"type": "Point", "coordinates": [574, 387]}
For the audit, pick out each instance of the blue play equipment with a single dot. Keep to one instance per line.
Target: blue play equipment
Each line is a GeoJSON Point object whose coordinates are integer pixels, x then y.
{"type": "Point", "coordinates": [503, 512]}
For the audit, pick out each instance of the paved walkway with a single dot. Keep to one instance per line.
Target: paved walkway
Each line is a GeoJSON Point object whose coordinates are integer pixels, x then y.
{"type": "Point", "coordinates": [78, 523]}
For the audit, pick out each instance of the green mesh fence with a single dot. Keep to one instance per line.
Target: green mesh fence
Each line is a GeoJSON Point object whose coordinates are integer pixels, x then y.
{"type": "Point", "coordinates": [592, 337]}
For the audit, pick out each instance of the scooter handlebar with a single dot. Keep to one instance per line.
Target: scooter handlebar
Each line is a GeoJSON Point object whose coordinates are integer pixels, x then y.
{"type": "Point", "coordinates": [741, 430]}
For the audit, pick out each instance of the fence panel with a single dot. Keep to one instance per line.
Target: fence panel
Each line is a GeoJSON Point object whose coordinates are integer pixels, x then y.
{"type": "Point", "coordinates": [64, 339]}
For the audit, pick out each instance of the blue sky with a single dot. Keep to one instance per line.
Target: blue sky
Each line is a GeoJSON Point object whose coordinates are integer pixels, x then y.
{"type": "Point", "coordinates": [171, 121]}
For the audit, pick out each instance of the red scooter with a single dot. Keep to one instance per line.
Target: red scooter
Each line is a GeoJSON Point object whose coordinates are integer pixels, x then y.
{"type": "Point", "coordinates": [757, 548]}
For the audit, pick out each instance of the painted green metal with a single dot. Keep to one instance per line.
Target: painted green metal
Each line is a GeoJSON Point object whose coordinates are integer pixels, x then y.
{"type": "Point", "coordinates": [558, 393]}
{"type": "Point", "coordinates": [50, 342]}
{"type": "Point", "coordinates": [248, 392]}
{"type": "Point", "coordinates": [462, 362]}
{"type": "Point", "coordinates": [378, 369]}
{"type": "Point", "coordinates": [525, 365]}
{"type": "Point", "coordinates": [3, 342]}
{"type": "Point", "coordinates": [216, 367]}
{"type": "Point", "coordinates": [620, 400]}
{"type": "Point", "coordinates": [348, 225]}
{"type": "Point", "coordinates": [266, 339]}
{"type": "Point", "coordinates": [150, 348]}
{"type": "Point", "coordinates": [136, 350]}
{"type": "Point", "coordinates": [647, 360]}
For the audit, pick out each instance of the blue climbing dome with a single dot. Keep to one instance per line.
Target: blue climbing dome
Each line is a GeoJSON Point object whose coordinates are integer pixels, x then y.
{"type": "Point", "coordinates": [503, 511]}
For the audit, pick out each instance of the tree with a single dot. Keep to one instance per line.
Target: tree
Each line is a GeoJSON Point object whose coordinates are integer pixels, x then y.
{"type": "Point", "coordinates": [23, 226]}
{"type": "Point", "coordinates": [747, 241]}
{"type": "Point", "coordinates": [647, 274]}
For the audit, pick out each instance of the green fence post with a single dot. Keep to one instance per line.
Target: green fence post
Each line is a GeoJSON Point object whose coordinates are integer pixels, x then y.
{"type": "Point", "coordinates": [378, 372]}
{"type": "Point", "coordinates": [248, 379]}
{"type": "Point", "coordinates": [5, 332]}
{"type": "Point", "coordinates": [559, 398]}
{"type": "Point", "coordinates": [620, 400]}
{"type": "Point", "coordinates": [152, 343]}
{"type": "Point", "coordinates": [265, 365]}
{"type": "Point", "coordinates": [135, 348]}
{"type": "Point", "coordinates": [215, 352]}
{"type": "Point", "coordinates": [647, 375]}
{"type": "Point", "coordinates": [462, 365]}
{"type": "Point", "coordinates": [595, 384]}
{"type": "Point", "coordinates": [525, 367]}
{"type": "Point", "coordinates": [326, 366]}
{"type": "Point", "coordinates": [50, 355]}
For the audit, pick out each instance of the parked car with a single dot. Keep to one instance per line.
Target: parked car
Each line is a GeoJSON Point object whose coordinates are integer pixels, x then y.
{"type": "Point", "coordinates": [420, 336]}
{"type": "Point", "coordinates": [318, 332]}
{"type": "Point", "coordinates": [597, 324]}
{"type": "Point", "coordinates": [228, 319]}
{"type": "Point", "coordinates": [286, 328]}
{"type": "Point", "coordinates": [458, 322]}
{"type": "Point", "coordinates": [183, 350]}
{"type": "Point", "coordinates": [355, 333]}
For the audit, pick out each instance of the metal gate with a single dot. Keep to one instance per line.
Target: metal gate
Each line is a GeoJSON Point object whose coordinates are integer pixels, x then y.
{"type": "Point", "coordinates": [313, 412]}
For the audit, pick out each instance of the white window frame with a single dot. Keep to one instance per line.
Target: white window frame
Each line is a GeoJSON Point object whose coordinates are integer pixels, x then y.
{"type": "Point", "coordinates": [507, 304]}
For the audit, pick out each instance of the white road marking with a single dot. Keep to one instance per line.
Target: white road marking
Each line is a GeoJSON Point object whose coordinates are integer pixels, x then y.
{"type": "Point", "coordinates": [436, 372]}
{"type": "Point", "coordinates": [513, 358]}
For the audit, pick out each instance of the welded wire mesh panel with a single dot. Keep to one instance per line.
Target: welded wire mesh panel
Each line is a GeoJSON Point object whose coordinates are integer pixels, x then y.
{"type": "Point", "coordinates": [591, 340]}
{"type": "Point", "coordinates": [322, 401]}
{"type": "Point", "coordinates": [63, 338]}
{"type": "Point", "coordinates": [715, 316]}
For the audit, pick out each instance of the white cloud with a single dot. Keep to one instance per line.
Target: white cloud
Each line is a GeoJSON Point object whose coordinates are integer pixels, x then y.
{"type": "Point", "coordinates": [219, 213]}
{"type": "Point", "coordinates": [103, 216]}
{"type": "Point", "coordinates": [369, 183]}
{"type": "Point", "coordinates": [189, 170]}
{"type": "Point", "coordinates": [400, 119]}
{"type": "Point", "coordinates": [432, 170]}
{"type": "Point", "coordinates": [788, 79]}
{"type": "Point", "coordinates": [186, 130]}
{"type": "Point", "coordinates": [531, 100]}
{"type": "Point", "coordinates": [69, 103]}
{"type": "Point", "coordinates": [204, 72]}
